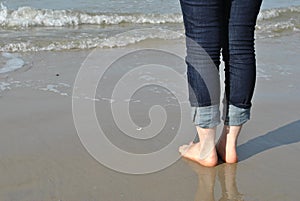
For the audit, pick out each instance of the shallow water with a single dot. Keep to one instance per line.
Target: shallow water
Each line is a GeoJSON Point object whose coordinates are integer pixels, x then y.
{"type": "Point", "coordinates": [123, 6]}
{"type": "Point", "coordinates": [28, 26]}
{"type": "Point", "coordinates": [32, 26]}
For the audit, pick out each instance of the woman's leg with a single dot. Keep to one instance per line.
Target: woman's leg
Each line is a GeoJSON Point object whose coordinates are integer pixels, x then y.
{"type": "Point", "coordinates": [240, 71]}
{"type": "Point", "coordinates": [203, 40]}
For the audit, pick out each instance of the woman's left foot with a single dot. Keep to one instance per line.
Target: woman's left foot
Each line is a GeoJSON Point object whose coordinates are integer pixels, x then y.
{"type": "Point", "coordinates": [226, 146]}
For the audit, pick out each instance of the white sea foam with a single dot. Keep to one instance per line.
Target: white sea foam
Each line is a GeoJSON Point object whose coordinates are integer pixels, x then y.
{"type": "Point", "coordinates": [62, 89]}
{"type": "Point", "coordinates": [27, 17]}
{"type": "Point", "coordinates": [4, 86]}
{"type": "Point", "coordinates": [261, 74]}
{"type": "Point", "coordinates": [119, 40]}
{"type": "Point", "coordinates": [69, 31]}
{"type": "Point", "coordinates": [276, 12]}
{"type": "Point", "coordinates": [51, 88]}
{"type": "Point", "coordinates": [147, 78]}
{"type": "Point", "coordinates": [277, 22]}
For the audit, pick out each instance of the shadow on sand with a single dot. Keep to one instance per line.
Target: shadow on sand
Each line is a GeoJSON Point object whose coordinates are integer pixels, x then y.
{"type": "Point", "coordinates": [285, 135]}
{"type": "Point", "coordinates": [226, 173]}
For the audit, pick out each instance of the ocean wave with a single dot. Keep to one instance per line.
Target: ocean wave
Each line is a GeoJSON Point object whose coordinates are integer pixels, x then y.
{"type": "Point", "coordinates": [29, 17]}
{"type": "Point", "coordinates": [275, 22]}
{"type": "Point", "coordinates": [25, 28]}
{"type": "Point", "coordinates": [269, 14]}
{"type": "Point", "coordinates": [119, 40]}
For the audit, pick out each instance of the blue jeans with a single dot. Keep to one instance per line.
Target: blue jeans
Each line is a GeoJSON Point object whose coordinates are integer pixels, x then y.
{"type": "Point", "coordinates": [213, 27]}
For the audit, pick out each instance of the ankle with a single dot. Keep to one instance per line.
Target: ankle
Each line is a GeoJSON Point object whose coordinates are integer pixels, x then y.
{"type": "Point", "coordinates": [231, 133]}
{"type": "Point", "coordinates": [206, 134]}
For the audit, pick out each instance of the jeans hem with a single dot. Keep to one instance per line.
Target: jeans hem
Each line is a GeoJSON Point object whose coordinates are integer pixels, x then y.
{"type": "Point", "coordinates": [235, 116]}
{"type": "Point", "coordinates": [206, 117]}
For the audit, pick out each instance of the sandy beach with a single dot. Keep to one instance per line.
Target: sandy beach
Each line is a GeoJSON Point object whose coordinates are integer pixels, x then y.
{"type": "Point", "coordinates": [43, 159]}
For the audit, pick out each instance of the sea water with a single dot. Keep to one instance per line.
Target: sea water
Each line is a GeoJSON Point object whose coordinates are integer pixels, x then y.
{"type": "Point", "coordinates": [52, 25]}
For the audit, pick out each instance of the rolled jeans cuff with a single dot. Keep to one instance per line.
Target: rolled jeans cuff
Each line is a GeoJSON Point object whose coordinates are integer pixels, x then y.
{"type": "Point", "coordinates": [235, 116]}
{"type": "Point", "coordinates": [206, 117]}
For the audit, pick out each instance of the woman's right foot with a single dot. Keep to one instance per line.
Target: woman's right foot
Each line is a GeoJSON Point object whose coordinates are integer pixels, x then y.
{"type": "Point", "coordinates": [203, 152]}
{"type": "Point", "coordinates": [192, 152]}
{"type": "Point", "coordinates": [226, 146]}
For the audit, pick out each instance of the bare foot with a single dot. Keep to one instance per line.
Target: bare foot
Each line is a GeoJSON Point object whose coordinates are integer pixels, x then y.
{"type": "Point", "coordinates": [192, 152]}
{"type": "Point", "coordinates": [203, 152]}
{"type": "Point", "coordinates": [226, 146]}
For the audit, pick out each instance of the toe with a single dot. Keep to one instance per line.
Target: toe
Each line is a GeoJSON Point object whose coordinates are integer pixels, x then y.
{"type": "Point", "coordinates": [183, 148]}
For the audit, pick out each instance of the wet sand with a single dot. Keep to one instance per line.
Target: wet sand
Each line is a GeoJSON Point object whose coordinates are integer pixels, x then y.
{"type": "Point", "coordinates": [42, 158]}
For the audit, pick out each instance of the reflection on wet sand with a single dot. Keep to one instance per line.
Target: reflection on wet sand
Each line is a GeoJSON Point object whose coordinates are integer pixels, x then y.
{"type": "Point", "coordinates": [207, 179]}
{"type": "Point", "coordinates": [227, 178]}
